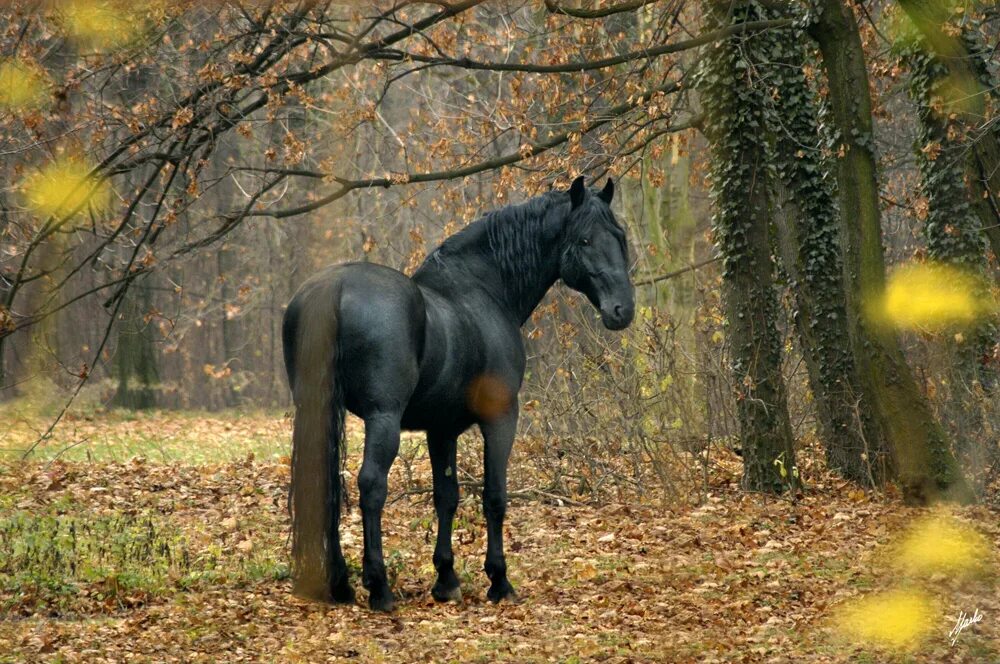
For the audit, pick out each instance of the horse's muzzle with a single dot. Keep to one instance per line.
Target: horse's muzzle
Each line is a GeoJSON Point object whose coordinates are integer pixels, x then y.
{"type": "Point", "coordinates": [618, 316]}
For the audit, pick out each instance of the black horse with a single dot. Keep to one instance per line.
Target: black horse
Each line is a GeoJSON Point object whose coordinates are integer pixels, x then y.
{"type": "Point", "coordinates": [437, 352]}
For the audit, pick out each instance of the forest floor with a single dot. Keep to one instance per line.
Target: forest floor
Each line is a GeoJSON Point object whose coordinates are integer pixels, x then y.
{"type": "Point", "coordinates": [164, 537]}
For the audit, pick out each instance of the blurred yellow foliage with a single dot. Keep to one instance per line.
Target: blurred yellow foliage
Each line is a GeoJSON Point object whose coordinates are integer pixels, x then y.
{"type": "Point", "coordinates": [942, 544]}
{"type": "Point", "coordinates": [100, 24]}
{"type": "Point", "coordinates": [65, 187]}
{"type": "Point", "coordinates": [931, 297]}
{"type": "Point", "coordinates": [23, 86]}
{"type": "Point", "coordinates": [893, 620]}
{"type": "Point", "coordinates": [958, 94]}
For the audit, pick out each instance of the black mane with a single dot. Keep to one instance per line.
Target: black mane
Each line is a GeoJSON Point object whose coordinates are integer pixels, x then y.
{"type": "Point", "coordinates": [509, 242]}
{"type": "Point", "coordinates": [511, 233]}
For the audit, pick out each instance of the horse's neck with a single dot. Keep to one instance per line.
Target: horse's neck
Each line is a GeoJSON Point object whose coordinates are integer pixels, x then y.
{"type": "Point", "coordinates": [523, 297]}
{"type": "Point", "coordinates": [525, 263]}
{"type": "Point", "coordinates": [514, 270]}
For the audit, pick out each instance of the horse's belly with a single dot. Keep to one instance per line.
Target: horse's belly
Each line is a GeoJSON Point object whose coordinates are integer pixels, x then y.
{"type": "Point", "coordinates": [437, 411]}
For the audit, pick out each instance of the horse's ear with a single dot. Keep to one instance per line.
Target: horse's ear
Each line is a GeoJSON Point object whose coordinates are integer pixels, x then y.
{"type": "Point", "coordinates": [576, 192]}
{"type": "Point", "coordinates": [608, 193]}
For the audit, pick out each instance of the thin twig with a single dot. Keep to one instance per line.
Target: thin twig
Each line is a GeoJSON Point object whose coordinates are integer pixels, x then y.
{"type": "Point", "coordinates": [677, 273]}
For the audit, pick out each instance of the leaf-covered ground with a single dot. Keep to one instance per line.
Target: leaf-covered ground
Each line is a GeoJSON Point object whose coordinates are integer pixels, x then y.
{"type": "Point", "coordinates": [180, 555]}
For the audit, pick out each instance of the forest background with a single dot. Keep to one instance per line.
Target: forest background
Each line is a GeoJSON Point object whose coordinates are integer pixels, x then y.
{"type": "Point", "coordinates": [811, 191]}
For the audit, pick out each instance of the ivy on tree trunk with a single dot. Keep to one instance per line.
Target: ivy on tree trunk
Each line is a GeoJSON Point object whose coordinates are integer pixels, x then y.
{"type": "Point", "coordinates": [811, 239]}
{"type": "Point", "coordinates": [926, 467]}
{"type": "Point", "coordinates": [741, 168]}
{"type": "Point", "coordinates": [974, 96]}
{"type": "Point", "coordinates": [954, 224]}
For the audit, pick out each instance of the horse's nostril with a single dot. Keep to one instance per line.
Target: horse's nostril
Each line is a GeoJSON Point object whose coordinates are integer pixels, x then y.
{"type": "Point", "coordinates": [618, 310]}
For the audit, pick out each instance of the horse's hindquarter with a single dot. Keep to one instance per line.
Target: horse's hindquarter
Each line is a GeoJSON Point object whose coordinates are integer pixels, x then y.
{"type": "Point", "coordinates": [466, 337]}
{"type": "Point", "coordinates": [380, 336]}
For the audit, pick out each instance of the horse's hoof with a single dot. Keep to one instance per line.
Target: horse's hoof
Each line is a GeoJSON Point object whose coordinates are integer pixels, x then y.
{"type": "Point", "coordinates": [342, 593]}
{"type": "Point", "coordinates": [447, 594]}
{"type": "Point", "coordinates": [384, 602]}
{"type": "Point", "coordinates": [501, 591]}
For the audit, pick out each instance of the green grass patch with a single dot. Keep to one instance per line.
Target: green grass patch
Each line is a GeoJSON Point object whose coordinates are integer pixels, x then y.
{"type": "Point", "coordinates": [53, 564]}
{"type": "Point", "coordinates": [118, 435]}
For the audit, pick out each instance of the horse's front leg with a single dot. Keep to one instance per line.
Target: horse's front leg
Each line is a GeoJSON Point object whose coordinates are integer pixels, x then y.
{"type": "Point", "coordinates": [498, 437]}
{"type": "Point", "coordinates": [442, 450]}
{"type": "Point", "coordinates": [381, 447]}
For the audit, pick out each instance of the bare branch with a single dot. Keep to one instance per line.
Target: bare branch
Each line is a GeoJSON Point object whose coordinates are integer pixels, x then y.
{"type": "Point", "coordinates": [677, 273]}
{"type": "Point", "coordinates": [587, 65]}
{"type": "Point", "coordinates": [555, 8]}
{"type": "Point", "coordinates": [527, 151]}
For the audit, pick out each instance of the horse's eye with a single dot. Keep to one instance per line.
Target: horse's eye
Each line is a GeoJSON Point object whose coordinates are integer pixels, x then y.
{"type": "Point", "coordinates": [585, 241]}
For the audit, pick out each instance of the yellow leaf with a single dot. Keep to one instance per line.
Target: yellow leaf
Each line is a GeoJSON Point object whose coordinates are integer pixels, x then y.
{"type": "Point", "coordinates": [931, 297]}
{"type": "Point", "coordinates": [23, 86]}
{"type": "Point", "coordinates": [895, 620]}
{"type": "Point", "coordinates": [66, 187]}
{"type": "Point", "coordinates": [100, 24]}
{"type": "Point", "coordinates": [584, 570]}
{"type": "Point", "coordinates": [942, 544]}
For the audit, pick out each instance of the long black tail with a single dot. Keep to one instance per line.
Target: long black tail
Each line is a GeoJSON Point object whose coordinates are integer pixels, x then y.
{"type": "Point", "coordinates": [309, 335]}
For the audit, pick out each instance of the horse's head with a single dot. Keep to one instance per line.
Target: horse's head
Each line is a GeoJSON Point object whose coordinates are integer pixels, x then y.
{"type": "Point", "coordinates": [594, 258]}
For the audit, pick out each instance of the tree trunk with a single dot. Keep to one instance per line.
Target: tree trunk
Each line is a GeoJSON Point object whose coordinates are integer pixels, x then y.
{"type": "Point", "coordinates": [227, 324]}
{"type": "Point", "coordinates": [734, 124]}
{"type": "Point", "coordinates": [135, 357]}
{"type": "Point", "coordinates": [810, 241]}
{"type": "Point", "coordinates": [925, 465]}
{"type": "Point", "coordinates": [971, 86]}
{"type": "Point", "coordinates": [955, 235]}
{"type": "Point", "coordinates": [852, 442]}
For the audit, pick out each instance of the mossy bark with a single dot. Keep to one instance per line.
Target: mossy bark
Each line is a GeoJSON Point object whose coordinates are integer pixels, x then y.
{"type": "Point", "coordinates": [973, 96]}
{"type": "Point", "coordinates": [954, 232]}
{"type": "Point", "coordinates": [659, 200]}
{"type": "Point", "coordinates": [734, 124]}
{"type": "Point", "coordinates": [852, 441]}
{"type": "Point", "coordinates": [811, 253]}
{"type": "Point", "coordinates": [925, 466]}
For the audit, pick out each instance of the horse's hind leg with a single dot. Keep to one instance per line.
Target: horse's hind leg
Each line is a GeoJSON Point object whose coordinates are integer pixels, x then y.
{"type": "Point", "coordinates": [381, 447]}
{"type": "Point", "coordinates": [341, 591]}
{"type": "Point", "coordinates": [442, 450]}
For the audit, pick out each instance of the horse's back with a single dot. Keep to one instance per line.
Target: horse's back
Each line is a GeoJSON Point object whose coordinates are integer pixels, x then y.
{"type": "Point", "coordinates": [407, 347]}
{"type": "Point", "coordinates": [380, 319]}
